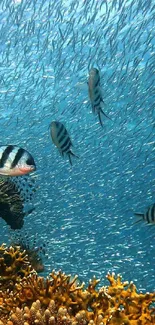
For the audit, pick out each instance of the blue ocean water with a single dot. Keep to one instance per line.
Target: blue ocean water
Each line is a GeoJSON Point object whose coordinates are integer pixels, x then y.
{"type": "Point", "coordinates": [84, 212]}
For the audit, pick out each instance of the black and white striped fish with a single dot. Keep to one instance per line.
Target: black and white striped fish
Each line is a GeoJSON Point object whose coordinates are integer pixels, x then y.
{"type": "Point", "coordinates": [95, 93]}
{"type": "Point", "coordinates": [61, 139]}
{"type": "Point", "coordinates": [148, 216]}
{"type": "Point", "coordinates": [15, 161]}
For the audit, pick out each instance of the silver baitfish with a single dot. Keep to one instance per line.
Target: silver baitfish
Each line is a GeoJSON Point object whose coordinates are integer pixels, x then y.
{"type": "Point", "coordinates": [148, 216]}
{"type": "Point", "coordinates": [15, 161]}
{"type": "Point", "coordinates": [95, 93]}
{"type": "Point", "coordinates": [61, 139]}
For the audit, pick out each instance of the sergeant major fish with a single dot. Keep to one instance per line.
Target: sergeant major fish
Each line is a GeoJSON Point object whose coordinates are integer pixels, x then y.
{"type": "Point", "coordinates": [61, 139]}
{"type": "Point", "coordinates": [148, 216]}
{"type": "Point", "coordinates": [15, 161]}
{"type": "Point", "coordinates": [95, 93]}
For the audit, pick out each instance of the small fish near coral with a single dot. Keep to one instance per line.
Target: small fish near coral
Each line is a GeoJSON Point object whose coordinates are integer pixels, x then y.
{"type": "Point", "coordinates": [12, 200]}
{"type": "Point", "coordinates": [61, 139]}
{"type": "Point", "coordinates": [95, 95]}
{"type": "Point", "coordinates": [148, 216]}
{"type": "Point", "coordinates": [15, 161]}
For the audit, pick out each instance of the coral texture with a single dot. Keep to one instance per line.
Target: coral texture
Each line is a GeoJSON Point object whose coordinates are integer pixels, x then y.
{"type": "Point", "coordinates": [33, 251]}
{"type": "Point", "coordinates": [60, 300]}
{"type": "Point", "coordinates": [14, 265]}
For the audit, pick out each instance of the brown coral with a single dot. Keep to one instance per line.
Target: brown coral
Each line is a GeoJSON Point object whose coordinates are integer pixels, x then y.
{"type": "Point", "coordinates": [13, 264]}
{"type": "Point", "coordinates": [60, 300]}
{"type": "Point", "coordinates": [34, 251]}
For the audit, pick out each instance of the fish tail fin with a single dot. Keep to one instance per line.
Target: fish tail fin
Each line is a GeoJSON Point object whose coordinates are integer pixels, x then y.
{"type": "Point", "coordinates": [70, 153]}
{"type": "Point", "coordinates": [138, 214]}
{"type": "Point", "coordinates": [137, 221]}
{"type": "Point", "coordinates": [93, 109]}
{"type": "Point", "coordinates": [101, 110]}
{"type": "Point", "coordinates": [61, 153]}
{"type": "Point", "coordinates": [100, 120]}
{"type": "Point", "coordinates": [103, 102]}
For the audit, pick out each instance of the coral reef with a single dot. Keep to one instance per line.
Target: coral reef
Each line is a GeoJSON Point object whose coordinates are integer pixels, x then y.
{"type": "Point", "coordinates": [34, 251]}
{"type": "Point", "coordinates": [14, 265]}
{"type": "Point", "coordinates": [61, 300]}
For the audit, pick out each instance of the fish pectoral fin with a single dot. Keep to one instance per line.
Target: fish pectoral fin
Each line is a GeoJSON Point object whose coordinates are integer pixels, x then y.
{"type": "Point", "coordinates": [99, 116]}
{"type": "Point", "coordinates": [82, 85]}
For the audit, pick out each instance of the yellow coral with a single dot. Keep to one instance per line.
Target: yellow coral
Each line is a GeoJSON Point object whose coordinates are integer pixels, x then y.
{"type": "Point", "coordinates": [60, 300]}
{"type": "Point", "coordinates": [13, 264]}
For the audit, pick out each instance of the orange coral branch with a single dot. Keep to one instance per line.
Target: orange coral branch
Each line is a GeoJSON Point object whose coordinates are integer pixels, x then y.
{"type": "Point", "coordinates": [60, 300]}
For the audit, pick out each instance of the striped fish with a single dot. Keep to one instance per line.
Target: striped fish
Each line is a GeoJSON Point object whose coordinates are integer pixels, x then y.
{"type": "Point", "coordinates": [15, 161]}
{"type": "Point", "coordinates": [95, 93]}
{"type": "Point", "coordinates": [148, 216]}
{"type": "Point", "coordinates": [12, 203]}
{"type": "Point", "coordinates": [61, 139]}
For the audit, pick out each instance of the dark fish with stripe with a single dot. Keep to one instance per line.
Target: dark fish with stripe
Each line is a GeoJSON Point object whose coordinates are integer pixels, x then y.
{"type": "Point", "coordinates": [15, 161]}
{"type": "Point", "coordinates": [148, 216]}
{"type": "Point", "coordinates": [95, 93]}
{"type": "Point", "coordinates": [12, 202]}
{"type": "Point", "coordinates": [61, 139]}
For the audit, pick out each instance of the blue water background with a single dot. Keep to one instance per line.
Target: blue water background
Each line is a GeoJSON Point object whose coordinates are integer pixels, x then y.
{"type": "Point", "coordinates": [84, 213]}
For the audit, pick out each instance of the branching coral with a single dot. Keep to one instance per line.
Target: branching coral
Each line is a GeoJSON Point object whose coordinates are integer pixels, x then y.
{"type": "Point", "coordinates": [60, 300]}
{"type": "Point", "coordinates": [34, 251]}
{"type": "Point", "coordinates": [13, 264]}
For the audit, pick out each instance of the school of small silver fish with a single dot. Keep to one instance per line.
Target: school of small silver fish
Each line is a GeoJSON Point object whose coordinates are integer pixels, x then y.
{"type": "Point", "coordinates": [82, 73]}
